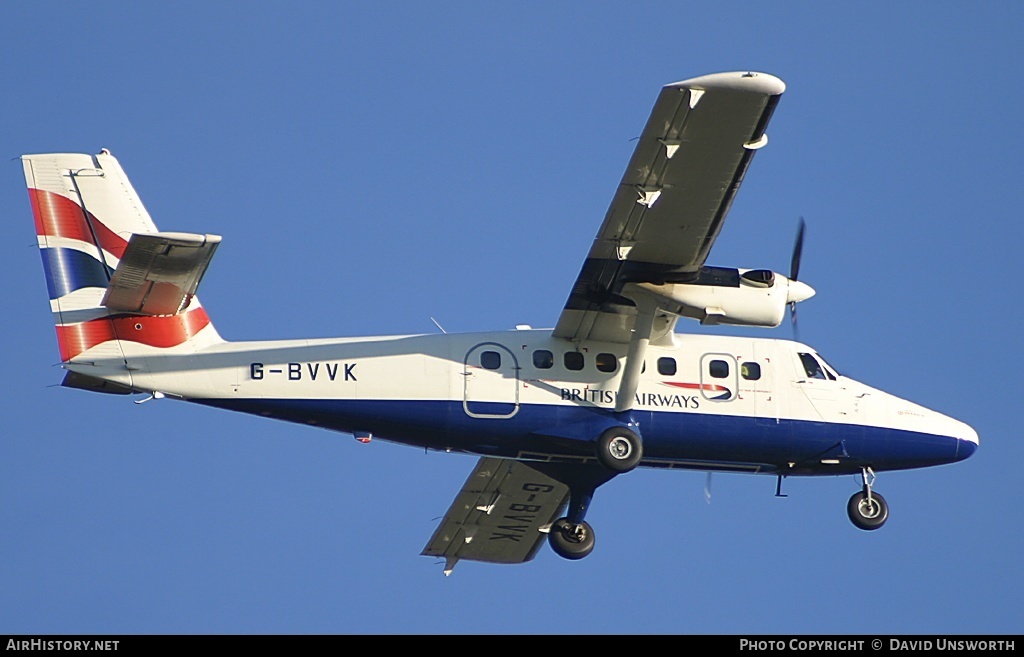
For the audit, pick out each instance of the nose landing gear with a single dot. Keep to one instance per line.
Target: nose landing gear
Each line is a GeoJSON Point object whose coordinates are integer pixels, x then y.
{"type": "Point", "coordinates": [867, 510]}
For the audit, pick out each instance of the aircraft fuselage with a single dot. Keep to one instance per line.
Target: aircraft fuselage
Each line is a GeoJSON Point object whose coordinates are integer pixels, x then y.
{"type": "Point", "coordinates": [703, 402]}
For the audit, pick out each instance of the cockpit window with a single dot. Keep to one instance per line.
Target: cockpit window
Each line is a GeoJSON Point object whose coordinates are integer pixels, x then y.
{"type": "Point", "coordinates": [812, 366]}
{"type": "Point", "coordinates": [829, 370]}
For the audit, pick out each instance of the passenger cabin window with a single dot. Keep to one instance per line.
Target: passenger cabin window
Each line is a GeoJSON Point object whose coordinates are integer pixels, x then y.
{"type": "Point", "coordinates": [490, 360]}
{"type": "Point", "coordinates": [718, 369]}
{"type": "Point", "coordinates": [666, 366]}
{"type": "Point", "coordinates": [543, 359]}
{"type": "Point", "coordinates": [607, 362]}
{"type": "Point", "coordinates": [814, 369]}
{"type": "Point", "coordinates": [750, 371]}
{"type": "Point", "coordinates": [573, 360]}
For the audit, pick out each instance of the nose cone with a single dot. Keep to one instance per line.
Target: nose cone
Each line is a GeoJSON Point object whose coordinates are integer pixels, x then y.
{"type": "Point", "coordinates": [964, 449]}
{"type": "Point", "coordinates": [966, 440]}
{"type": "Point", "coordinates": [923, 437]}
{"type": "Point", "coordinates": [799, 291]}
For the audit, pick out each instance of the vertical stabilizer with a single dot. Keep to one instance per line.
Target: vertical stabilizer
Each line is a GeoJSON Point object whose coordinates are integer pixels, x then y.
{"type": "Point", "coordinates": [86, 212]}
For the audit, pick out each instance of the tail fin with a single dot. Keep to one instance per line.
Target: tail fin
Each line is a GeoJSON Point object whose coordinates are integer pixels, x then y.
{"type": "Point", "coordinates": [86, 213]}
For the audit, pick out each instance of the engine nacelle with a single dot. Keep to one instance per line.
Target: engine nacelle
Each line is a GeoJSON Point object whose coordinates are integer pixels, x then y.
{"type": "Point", "coordinates": [741, 297]}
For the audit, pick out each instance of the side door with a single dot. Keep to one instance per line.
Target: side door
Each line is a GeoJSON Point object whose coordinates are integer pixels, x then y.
{"type": "Point", "coordinates": [719, 377]}
{"type": "Point", "coordinates": [490, 382]}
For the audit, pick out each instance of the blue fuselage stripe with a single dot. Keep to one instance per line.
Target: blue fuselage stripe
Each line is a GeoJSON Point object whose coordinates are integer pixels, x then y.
{"type": "Point", "coordinates": [671, 437]}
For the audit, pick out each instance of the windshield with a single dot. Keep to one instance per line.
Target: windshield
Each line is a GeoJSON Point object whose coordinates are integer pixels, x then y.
{"type": "Point", "coordinates": [828, 366]}
{"type": "Point", "coordinates": [814, 369]}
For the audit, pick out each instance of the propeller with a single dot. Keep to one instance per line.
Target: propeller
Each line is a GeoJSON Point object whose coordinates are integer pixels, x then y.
{"type": "Point", "coordinates": [798, 249]}
{"type": "Point", "coordinates": [797, 291]}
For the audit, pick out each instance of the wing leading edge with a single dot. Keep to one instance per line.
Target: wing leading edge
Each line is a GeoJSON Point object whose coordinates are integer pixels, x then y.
{"type": "Point", "coordinates": [667, 211]}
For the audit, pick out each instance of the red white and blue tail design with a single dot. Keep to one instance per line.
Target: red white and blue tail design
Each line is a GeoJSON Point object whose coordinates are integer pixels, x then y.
{"type": "Point", "coordinates": [86, 214]}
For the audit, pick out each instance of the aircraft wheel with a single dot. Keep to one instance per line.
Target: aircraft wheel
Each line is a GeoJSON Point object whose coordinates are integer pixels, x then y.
{"type": "Point", "coordinates": [571, 541]}
{"type": "Point", "coordinates": [619, 449]}
{"type": "Point", "coordinates": [867, 514]}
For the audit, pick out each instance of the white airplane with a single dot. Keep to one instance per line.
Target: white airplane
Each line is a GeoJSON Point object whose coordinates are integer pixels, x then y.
{"type": "Point", "coordinates": [553, 414]}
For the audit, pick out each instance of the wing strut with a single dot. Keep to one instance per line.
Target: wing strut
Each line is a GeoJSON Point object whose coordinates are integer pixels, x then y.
{"type": "Point", "coordinates": [646, 309]}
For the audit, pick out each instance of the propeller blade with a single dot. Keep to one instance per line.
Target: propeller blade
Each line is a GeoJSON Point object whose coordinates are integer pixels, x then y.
{"type": "Point", "coordinates": [798, 249]}
{"type": "Point", "coordinates": [794, 274]}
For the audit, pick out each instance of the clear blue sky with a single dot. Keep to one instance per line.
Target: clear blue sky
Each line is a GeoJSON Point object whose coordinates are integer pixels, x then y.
{"type": "Point", "coordinates": [373, 165]}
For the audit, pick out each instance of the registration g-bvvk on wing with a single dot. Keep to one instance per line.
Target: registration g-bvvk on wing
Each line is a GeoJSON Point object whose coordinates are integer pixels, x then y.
{"type": "Point", "coordinates": [553, 414]}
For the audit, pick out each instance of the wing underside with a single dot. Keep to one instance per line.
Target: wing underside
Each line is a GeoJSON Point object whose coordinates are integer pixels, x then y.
{"type": "Point", "coordinates": [500, 515]}
{"type": "Point", "coordinates": [669, 208]}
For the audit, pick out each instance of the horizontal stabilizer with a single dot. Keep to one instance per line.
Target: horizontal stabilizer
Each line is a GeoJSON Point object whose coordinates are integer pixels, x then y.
{"type": "Point", "coordinates": [159, 272]}
{"type": "Point", "coordinates": [93, 384]}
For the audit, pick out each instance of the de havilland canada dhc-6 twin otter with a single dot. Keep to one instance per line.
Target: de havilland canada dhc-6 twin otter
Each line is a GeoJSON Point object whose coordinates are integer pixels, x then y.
{"type": "Point", "coordinates": [553, 414]}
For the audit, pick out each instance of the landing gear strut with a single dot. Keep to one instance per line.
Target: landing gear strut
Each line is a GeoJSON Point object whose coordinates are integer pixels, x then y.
{"type": "Point", "coordinates": [570, 536]}
{"type": "Point", "coordinates": [619, 450]}
{"type": "Point", "coordinates": [867, 510]}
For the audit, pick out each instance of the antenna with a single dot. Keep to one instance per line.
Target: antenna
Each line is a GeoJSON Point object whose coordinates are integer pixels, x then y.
{"type": "Point", "coordinates": [438, 325]}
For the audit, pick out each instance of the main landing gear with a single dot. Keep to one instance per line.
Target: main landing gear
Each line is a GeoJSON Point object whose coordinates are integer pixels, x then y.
{"type": "Point", "coordinates": [571, 541]}
{"type": "Point", "coordinates": [867, 510]}
{"type": "Point", "coordinates": [618, 450]}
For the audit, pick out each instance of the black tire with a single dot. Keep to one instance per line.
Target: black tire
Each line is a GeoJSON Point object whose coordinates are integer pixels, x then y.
{"type": "Point", "coordinates": [867, 515]}
{"type": "Point", "coordinates": [619, 449]}
{"type": "Point", "coordinates": [571, 541]}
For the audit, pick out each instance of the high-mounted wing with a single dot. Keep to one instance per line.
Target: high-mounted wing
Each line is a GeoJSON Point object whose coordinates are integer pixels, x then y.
{"type": "Point", "coordinates": [673, 198]}
{"type": "Point", "coordinates": [499, 516]}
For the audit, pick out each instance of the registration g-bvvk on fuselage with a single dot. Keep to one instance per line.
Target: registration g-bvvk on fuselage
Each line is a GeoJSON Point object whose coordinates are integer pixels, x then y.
{"type": "Point", "coordinates": [553, 413]}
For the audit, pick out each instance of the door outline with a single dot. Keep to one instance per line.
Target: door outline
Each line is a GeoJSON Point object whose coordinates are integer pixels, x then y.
{"type": "Point", "coordinates": [490, 386]}
{"type": "Point", "coordinates": [711, 387]}
{"type": "Point", "coordinates": [766, 403]}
